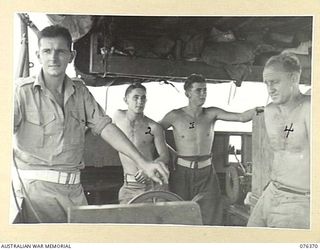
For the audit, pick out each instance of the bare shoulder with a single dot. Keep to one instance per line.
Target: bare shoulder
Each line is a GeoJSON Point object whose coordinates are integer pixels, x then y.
{"type": "Point", "coordinates": [153, 124]}
{"type": "Point", "coordinates": [175, 112]}
{"type": "Point", "coordinates": [119, 114]}
{"type": "Point", "coordinates": [213, 111]}
{"type": "Point", "coordinates": [173, 115]}
{"type": "Point", "coordinates": [270, 108]}
{"type": "Point", "coordinates": [121, 111]}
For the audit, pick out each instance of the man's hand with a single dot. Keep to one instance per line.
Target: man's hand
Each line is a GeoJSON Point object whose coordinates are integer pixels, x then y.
{"type": "Point", "coordinates": [140, 176]}
{"type": "Point", "coordinates": [156, 171]}
{"type": "Point", "coordinates": [250, 114]}
{"type": "Point", "coordinates": [259, 110]}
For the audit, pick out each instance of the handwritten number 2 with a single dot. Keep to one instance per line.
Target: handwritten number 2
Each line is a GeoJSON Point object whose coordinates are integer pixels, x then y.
{"type": "Point", "coordinates": [149, 132]}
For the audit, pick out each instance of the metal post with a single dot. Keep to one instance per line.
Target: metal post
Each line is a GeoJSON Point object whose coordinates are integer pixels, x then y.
{"type": "Point", "coordinates": [23, 62]}
{"type": "Point", "coordinates": [25, 46]}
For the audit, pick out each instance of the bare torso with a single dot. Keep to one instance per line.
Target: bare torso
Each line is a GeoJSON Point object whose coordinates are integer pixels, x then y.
{"type": "Point", "coordinates": [289, 138]}
{"type": "Point", "coordinates": [193, 136]}
{"type": "Point", "coordinates": [140, 133]}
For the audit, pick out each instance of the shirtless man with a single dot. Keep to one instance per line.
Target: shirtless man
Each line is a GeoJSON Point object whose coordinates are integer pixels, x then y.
{"type": "Point", "coordinates": [193, 130]}
{"type": "Point", "coordinates": [286, 201]}
{"type": "Point", "coordinates": [147, 136]}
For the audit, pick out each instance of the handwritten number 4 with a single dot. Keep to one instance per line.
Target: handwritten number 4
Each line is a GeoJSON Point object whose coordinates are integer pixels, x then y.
{"type": "Point", "coordinates": [288, 130]}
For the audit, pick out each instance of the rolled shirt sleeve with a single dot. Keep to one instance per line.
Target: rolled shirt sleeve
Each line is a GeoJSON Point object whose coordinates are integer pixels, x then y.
{"type": "Point", "coordinates": [96, 119]}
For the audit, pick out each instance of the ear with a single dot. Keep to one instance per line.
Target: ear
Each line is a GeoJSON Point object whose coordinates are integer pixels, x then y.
{"type": "Point", "coordinates": [125, 100]}
{"type": "Point", "coordinates": [295, 77]}
{"type": "Point", "coordinates": [72, 56]}
{"type": "Point", "coordinates": [187, 94]}
{"type": "Point", "coordinates": [38, 54]}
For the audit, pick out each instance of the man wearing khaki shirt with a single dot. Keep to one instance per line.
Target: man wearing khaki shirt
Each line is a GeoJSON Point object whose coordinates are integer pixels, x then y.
{"type": "Point", "coordinates": [51, 112]}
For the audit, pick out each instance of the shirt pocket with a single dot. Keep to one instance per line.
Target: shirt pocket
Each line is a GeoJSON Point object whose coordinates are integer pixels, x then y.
{"type": "Point", "coordinates": [75, 128]}
{"type": "Point", "coordinates": [31, 134]}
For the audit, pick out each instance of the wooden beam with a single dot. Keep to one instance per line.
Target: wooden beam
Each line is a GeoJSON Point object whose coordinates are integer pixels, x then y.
{"type": "Point", "coordinates": [175, 212]}
{"type": "Point", "coordinates": [262, 156]}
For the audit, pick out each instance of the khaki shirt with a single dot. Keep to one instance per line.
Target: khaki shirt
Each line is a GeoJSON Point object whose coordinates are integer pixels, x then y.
{"type": "Point", "coordinates": [48, 136]}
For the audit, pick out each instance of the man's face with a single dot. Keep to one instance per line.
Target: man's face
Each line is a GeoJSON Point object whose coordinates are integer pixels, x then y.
{"type": "Point", "coordinates": [279, 83]}
{"type": "Point", "coordinates": [198, 93]}
{"type": "Point", "coordinates": [54, 55]}
{"type": "Point", "coordinates": [136, 100]}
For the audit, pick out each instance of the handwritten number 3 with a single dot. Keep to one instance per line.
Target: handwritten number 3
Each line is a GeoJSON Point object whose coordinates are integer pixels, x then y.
{"type": "Point", "coordinates": [191, 125]}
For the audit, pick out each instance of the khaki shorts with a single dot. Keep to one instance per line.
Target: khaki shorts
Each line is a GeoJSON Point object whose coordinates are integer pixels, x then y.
{"type": "Point", "coordinates": [280, 209]}
{"type": "Point", "coordinates": [49, 200]}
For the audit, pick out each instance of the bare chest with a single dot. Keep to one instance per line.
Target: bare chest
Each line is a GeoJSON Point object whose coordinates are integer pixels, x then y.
{"type": "Point", "coordinates": [286, 131]}
{"type": "Point", "coordinates": [189, 128]}
{"type": "Point", "coordinates": [140, 133]}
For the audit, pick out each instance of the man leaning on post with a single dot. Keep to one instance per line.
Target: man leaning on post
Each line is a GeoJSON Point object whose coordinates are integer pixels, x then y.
{"type": "Point", "coordinates": [51, 112]}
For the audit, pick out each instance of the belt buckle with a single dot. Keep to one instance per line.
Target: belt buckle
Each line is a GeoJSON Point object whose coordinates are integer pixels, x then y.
{"type": "Point", "coordinates": [193, 164]}
{"type": "Point", "coordinates": [72, 180]}
{"type": "Point", "coordinates": [127, 179]}
{"type": "Point", "coordinates": [66, 178]}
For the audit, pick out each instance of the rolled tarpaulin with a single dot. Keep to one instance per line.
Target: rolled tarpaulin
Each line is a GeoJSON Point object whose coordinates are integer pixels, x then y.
{"type": "Point", "coordinates": [78, 25]}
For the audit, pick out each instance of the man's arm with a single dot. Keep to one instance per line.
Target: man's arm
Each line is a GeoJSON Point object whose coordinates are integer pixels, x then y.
{"type": "Point", "coordinates": [237, 117]}
{"type": "Point", "coordinates": [160, 144]}
{"type": "Point", "coordinates": [166, 121]}
{"type": "Point", "coordinates": [157, 171]}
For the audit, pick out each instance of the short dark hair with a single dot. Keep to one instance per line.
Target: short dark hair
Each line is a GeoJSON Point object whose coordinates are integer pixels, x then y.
{"type": "Point", "coordinates": [192, 79]}
{"type": "Point", "coordinates": [55, 31]}
{"type": "Point", "coordinates": [289, 62]}
{"type": "Point", "coordinates": [134, 86]}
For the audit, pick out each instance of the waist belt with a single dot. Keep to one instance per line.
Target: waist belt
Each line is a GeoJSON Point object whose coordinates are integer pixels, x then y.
{"type": "Point", "coordinates": [51, 176]}
{"type": "Point", "coordinates": [130, 178]}
{"type": "Point", "coordinates": [280, 187]}
{"type": "Point", "coordinates": [194, 164]}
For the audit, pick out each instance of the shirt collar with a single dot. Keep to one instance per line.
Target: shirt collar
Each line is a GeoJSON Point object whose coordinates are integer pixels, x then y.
{"type": "Point", "coordinates": [39, 82]}
{"type": "Point", "coordinates": [68, 87]}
